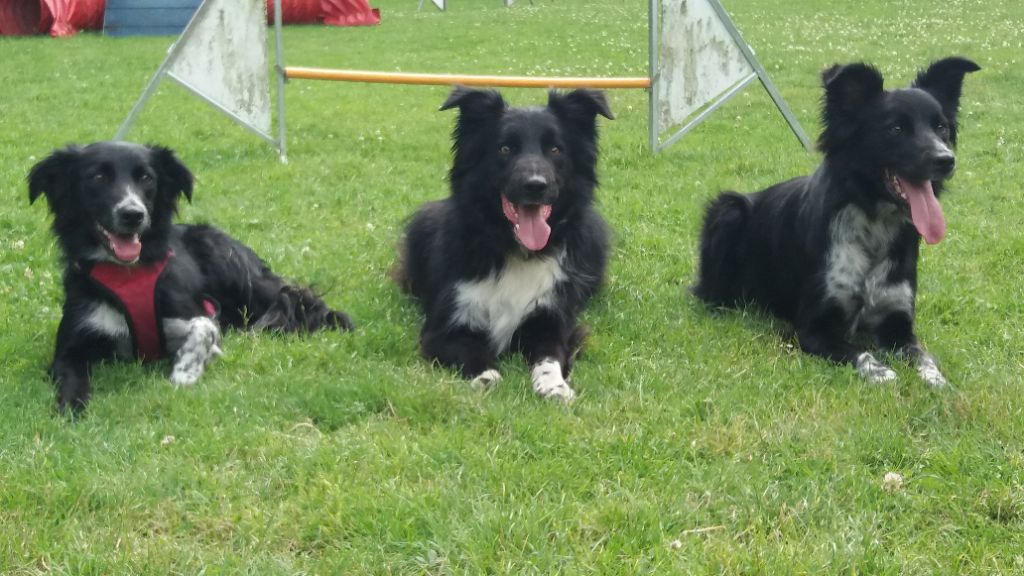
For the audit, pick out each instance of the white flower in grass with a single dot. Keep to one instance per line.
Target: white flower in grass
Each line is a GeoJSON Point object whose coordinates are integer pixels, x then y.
{"type": "Point", "coordinates": [167, 440]}
{"type": "Point", "coordinates": [19, 245]}
{"type": "Point", "coordinates": [29, 273]}
{"type": "Point", "coordinates": [892, 481]}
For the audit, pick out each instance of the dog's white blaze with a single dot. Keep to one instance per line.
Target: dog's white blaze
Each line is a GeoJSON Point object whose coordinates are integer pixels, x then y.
{"type": "Point", "coordinates": [940, 146]}
{"type": "Point", "coordinates": [201, 345]}
{"type": "Point", "coordinates": [499, 303]}
{"type": "Point", "coordinates": [548, 381]}
{"type": "Point", "coordinates": [131, 198]}
{"type": "Point", "coordinates": [858, 250]}
{"type": "Point", "coordinates": [106, 320]}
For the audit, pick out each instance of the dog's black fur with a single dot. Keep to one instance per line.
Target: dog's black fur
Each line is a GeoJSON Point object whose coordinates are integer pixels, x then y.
{"type": "Point", "coordinates": [836, 252]}
{"type": "Point", "coordinates": [120, 190]}
{"type": "Point", "coordinates": [537, 159]}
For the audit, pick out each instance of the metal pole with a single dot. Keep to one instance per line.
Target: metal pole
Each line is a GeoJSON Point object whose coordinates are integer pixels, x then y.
{"type": "Point", "coordinates": [653, 22]}
{"type": "Point", "coordinates": [281, 145]}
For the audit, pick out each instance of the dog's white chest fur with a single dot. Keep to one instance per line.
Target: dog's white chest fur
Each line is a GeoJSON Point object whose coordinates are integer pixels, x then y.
{"type": "Point", "coordinates": [858, 264]}
{"type": "Point", "coordinates": [498, 303]}
{"type": "Point", "coordinates": [110, 322]}
{"type": "Point", "coordinates": [107, 320]}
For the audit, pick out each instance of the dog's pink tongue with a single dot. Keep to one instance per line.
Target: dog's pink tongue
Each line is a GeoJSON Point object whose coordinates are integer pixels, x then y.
{"type": "Point", "coordinates": [126, 248]}
{"type": "Point", "coordinates": [532, 229]}
{"type": "Point", "coordinates": [925, 210]}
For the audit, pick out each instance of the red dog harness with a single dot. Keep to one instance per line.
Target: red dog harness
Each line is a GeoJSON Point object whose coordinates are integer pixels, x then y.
{"type": "Point", "coordinates": [135, 288]}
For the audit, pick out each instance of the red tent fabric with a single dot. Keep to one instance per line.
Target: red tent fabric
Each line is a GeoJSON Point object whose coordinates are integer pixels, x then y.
{"type": "Point", "coordinates": [70, 16]}
{"type": "Point", "coordinates": [65, 17]}
{"type": "Point", "coordinates": [21, 18]}
{"type": "Point", "coordinates": [349, 13]}
{"type": "Point", "coordinates": [333, 12]}
{"type": "Point", "coordinates": [295, 11]}
{"type": "Point", "coordinates": [58, 17]}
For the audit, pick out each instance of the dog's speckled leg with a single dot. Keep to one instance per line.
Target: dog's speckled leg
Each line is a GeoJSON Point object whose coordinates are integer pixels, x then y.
{"type": "Point", "coordinates": [201, 344]}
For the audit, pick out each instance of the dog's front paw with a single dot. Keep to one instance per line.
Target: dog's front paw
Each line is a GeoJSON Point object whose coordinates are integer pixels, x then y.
{"type": "Point", "coordinates": [185, 375]}
{"type": "Point", "coordinates": [548, 381]}
{"type": "Point", "coordinates": [872, 370]}
{"type": "Point", "coordinates": [201, 345]}
{"type": "Point", "coordinates": [928, 370]}
{"type": "Point", "coordinates": [485, 380]}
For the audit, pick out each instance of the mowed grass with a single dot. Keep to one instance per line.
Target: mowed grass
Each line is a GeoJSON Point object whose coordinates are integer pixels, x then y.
{"type": "Point", "coordinates": [701, 443]}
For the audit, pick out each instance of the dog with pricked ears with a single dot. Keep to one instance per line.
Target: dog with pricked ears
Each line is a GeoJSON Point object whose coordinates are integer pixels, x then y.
{"type": "Point", "coordinates": [510, 258]}
{"type": "Point", "coordinates": [138, 286]}
{"type": "Point", "coordinates": [836, 252]}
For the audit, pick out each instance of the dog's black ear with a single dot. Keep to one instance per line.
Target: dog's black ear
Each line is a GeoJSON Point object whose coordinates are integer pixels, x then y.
{"type": "Point", "coordinates": [174, 178]}
{"type": "Point", "coordinates": [582, 105]}
{"type": "Point", "coordinates": [829, 73]}
{"type": "Point", "coordinates": [475, 103]}
{"type": "Point", "coordinates": [849, 87]}
{"type": "Point", "coordinates": [53, 174]}
{"type": "Point", "coordinates": [944, 80]}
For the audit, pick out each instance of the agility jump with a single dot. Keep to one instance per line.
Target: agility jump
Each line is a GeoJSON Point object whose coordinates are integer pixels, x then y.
{"type": "Point", "coordinates": [463, 79]}
{"type": "Point", "coordinates": [698, 61]}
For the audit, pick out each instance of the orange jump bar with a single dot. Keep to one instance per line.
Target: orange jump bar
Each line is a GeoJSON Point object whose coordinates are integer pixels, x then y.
{"type": "Point", "coordinates": [466, 80]}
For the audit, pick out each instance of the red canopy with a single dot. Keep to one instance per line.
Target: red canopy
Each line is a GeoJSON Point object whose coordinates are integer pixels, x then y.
{"type": "Point", "coordinates": [65, 17]}
{"type": "Point", "coordinates": [333, 12]}
{"type": "Point", "coordinates": [56, 17]}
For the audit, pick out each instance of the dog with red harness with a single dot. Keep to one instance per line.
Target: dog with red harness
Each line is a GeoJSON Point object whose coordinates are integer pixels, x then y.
{"type": "Point", "coordinates": [136, 285]}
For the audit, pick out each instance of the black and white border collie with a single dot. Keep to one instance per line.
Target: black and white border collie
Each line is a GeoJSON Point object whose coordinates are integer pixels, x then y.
{"type": "Point", "coordinates": [138, 286]}
{"type": "Point", "coordinates": [835, 253]}
{"type": "Point", "coordinates": [509, 260]}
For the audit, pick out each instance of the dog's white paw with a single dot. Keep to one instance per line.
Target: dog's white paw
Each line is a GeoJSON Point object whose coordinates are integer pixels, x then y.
{"type": "Point", "coordinates": [182, 377]}
{"type": "Point", "coordinates": [874, 371]}
{"type": "Point", "coordinates": [548, 381]}
{"type": "Point", "coordinates": [928, 370]}
{"type": "Point", "coordinates": [486, 379]}
{"type": "Point", "coordinates": [201, 345]}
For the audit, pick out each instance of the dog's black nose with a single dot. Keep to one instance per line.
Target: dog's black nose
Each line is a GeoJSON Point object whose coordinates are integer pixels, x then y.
{"type": "Point", "coordinates": [130, 217]}
{"type": "Point", "coordinates": [536, 184]}
{"type": "Point", "coordinates": [944, 163]}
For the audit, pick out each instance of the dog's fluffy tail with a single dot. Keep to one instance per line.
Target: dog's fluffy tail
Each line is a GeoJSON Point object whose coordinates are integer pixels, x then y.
{"type": "Point", "coordinates": [723, 249]}
{"type": "Point", "coordinates": [299, 309]}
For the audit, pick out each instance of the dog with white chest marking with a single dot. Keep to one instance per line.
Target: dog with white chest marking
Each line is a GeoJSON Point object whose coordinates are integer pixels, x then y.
{"type": "Point", "coordinates": [509, 260]}
{"type": "Point", "coordinates": [835, 253]}
{"type": "Point", "coordinates": [138, 286]}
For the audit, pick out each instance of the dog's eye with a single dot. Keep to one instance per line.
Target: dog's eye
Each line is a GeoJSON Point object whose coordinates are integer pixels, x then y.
{"type": "Point", "coordinates": [145, 178]}
{"type": "Point", "coordinates": [505, 150]}
{"type": "Point", "coordinates": [896, 129]}
{"type": "Point", "coordinates": [555, 151]}
{"type": "Point", "coordinates": [98, 177]}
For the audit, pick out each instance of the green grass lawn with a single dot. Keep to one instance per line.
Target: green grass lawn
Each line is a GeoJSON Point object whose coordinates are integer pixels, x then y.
{"type": "Point", "coordinates": [701, 443]}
